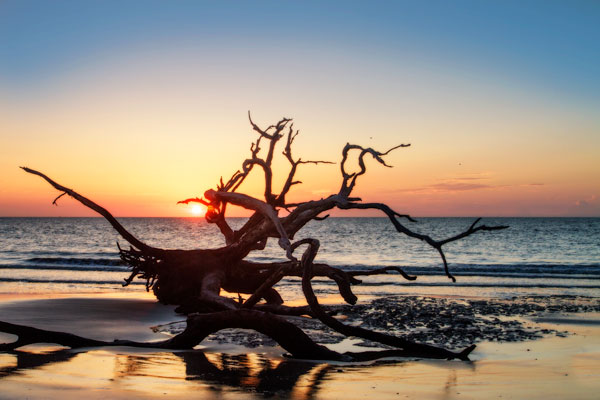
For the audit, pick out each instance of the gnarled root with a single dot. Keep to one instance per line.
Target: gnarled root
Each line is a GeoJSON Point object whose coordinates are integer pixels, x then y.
{"type": "Point", "coordinates": [408, 347]}
{"type": "Point", "coordinates": [199, 326]}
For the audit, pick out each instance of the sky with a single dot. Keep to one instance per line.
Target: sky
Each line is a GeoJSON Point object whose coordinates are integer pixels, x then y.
{"type": "Point", "coordinates": [139, 104]}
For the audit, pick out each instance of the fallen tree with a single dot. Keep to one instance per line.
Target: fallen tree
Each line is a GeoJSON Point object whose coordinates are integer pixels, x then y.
{"type": "Point", "coordinates": [194, 279]}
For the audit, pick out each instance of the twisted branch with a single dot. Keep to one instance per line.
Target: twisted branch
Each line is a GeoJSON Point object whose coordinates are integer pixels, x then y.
{"type": "Point", "coordinates": [436, 244]}
{"type": "Point", "coordinates": [409, 347]}
{"type": "Point", "coordinates": [351, 177]}
{"type": "Point", "coordinates": [100, 210]}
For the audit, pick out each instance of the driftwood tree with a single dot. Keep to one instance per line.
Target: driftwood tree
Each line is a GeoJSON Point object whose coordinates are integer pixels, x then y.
{"type": "Point", "coordinates": [194, 279]}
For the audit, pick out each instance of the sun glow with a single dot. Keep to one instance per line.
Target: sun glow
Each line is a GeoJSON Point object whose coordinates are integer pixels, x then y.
{"type": "Point", "coordinates": [198, 210]}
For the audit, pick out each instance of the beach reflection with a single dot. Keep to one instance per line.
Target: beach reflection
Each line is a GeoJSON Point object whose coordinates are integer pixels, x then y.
{"type": "Point", "coordinates": [553, 367]}
{"type": "Point", "coordinates": [255, 373]}
{"type": "Point", "coordinates": [20, 361]}
{"type": "Point", "coordinates": [215, 374]}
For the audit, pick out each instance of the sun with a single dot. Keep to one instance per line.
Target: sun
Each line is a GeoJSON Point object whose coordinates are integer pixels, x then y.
{"type": "Point", "coordinates": [198, 210]}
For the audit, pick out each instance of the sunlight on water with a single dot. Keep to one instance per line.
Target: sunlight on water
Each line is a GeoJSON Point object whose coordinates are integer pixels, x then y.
{"type": "Point", "coordinates": [512, 369]}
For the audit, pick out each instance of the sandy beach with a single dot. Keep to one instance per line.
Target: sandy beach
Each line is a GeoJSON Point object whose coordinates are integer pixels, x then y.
{"type": "Point", "coordinates": [564, 363]}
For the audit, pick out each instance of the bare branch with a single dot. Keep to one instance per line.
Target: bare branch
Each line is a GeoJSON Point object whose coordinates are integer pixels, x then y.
{"type": "Point", "coordinates": [436, 244]}
{"type": "Point", "coordinates": [265, 209]}
{"type": "Point", "coordinates": [58, 197]}
{"type": "Point", "coordinates": [264, 133]}
{"type": "Point", "coordinates": [349, 179]}
{"type": "Point", "coordinates": [259, 293]}
{"type": "Point", "coordinates": [100, 210]}
{"type": "Point", "coordinates": [382, 271]}
{"type": "Point", "coordinates": [348, 330]}
{"type": "Point", "coordinates": [472, 229]}
{"type": "Point", "coordinates": [287, 152]}
{"type": "Point", "coordinates": [323, 218]}
{"type": "Point", "coordinates": [300, 161]}
{"type": "Point", "coordinates": [194, 200]}
{"type": "Point", "coordinates": [378, 206]}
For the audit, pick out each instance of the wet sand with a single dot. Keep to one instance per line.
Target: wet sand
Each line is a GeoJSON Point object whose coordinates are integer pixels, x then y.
{"type": "Point", "coordinates": [553, 366]}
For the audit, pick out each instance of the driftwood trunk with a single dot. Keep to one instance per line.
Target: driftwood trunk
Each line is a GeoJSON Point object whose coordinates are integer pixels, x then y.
{"type": "Point", "coordinates": [194, 279]}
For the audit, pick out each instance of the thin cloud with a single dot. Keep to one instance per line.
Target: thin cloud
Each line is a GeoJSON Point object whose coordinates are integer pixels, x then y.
{"type": "Point", "coordinates": [586, 207]}
{"type": "Point", "coordinates": [457, 186]}
{"type": "Point", "coordinates": [471, 178]}
{"type": "Point", "coordinates": [464, 183]}
{"type": "Point", "coordinates": [589, 202]}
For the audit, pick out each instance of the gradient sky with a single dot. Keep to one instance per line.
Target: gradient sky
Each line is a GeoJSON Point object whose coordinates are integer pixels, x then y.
{"type": "Point", "coordinates": [140, 104]}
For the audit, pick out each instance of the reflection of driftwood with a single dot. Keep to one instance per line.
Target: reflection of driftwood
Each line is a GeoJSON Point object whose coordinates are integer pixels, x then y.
{"type": "Point", "coordinates": [193, 279]}
{"type": "Point", "coordinates": [285, 376]}
{"type": "Point", "coordinates": [28, 335]}
{"type": "Point", "coordinates": [27, 361]}
{"type": "Point", "coordinates": [232, 370]}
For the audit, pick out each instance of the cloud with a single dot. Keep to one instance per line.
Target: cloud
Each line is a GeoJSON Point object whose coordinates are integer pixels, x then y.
{"type": "Point", "coordinates": [587, 207]}
{"type": "Point", "coordinates": [471, 178]}
{"type": "Point", "coordinates": [589, 202]}
{"type": "Point", "coordinates": [458, 186]}
{"type": "Point", "coordinates": [464, 183]}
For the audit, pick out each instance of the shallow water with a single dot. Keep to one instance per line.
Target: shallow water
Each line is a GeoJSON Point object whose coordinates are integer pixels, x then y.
{"type": "Point", "coordinates": [533, 256]}
{"type": "Point", "coordinates": [548, 368]}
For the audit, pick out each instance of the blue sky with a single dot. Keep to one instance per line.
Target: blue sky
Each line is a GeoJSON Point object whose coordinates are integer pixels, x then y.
{"type": "Point", "coordinates": [505, 94]}
{"type": "Point", "coordinates": [554, 44]}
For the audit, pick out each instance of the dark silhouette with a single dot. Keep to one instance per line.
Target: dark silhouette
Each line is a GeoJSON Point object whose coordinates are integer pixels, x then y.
{"type": "Point", "coordinates": [193, 279]}
{"type": "Point", "coordinates": [232, 371]}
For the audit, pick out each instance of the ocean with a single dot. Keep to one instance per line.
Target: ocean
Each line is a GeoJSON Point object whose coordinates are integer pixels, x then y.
{"type": "Point", "coordinates": [535, 256]}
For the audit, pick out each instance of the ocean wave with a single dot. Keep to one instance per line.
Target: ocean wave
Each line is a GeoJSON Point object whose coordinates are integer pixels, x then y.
{"type": "Point", "coordinates": [92, 268]}
{"type": "Point", "coordinates": [76, 261]}
{"type": "Point", "coordinates": [69, 281]}
{"type": "Point", "coordinates": [517, 275]}
{"type": "Point", "coordinates": [485, 285]}
{"type": "Point", "coordinates": [449, 283]}
{"type": "Point", "coordinates": [491, 269]}
{"type": "Point", "coordinates": [516, 271]}
{"type": "Point", "coordinates": [69, 253]}
{"type": "Point", "coordinates": [329, 283]}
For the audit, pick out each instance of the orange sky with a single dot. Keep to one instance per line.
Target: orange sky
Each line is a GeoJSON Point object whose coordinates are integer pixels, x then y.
{"type": "Point", "coordinates": [138, 125]}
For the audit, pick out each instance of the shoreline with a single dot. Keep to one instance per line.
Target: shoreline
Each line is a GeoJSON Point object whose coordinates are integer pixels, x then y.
{"type": "Point", "coordinates": [542, 368]}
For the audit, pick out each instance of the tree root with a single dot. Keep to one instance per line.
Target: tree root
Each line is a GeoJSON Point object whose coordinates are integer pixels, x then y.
{"type": "Point", "coordinates": [416, 349]}
{"type": "Point", "coordinates": [199, 326]}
